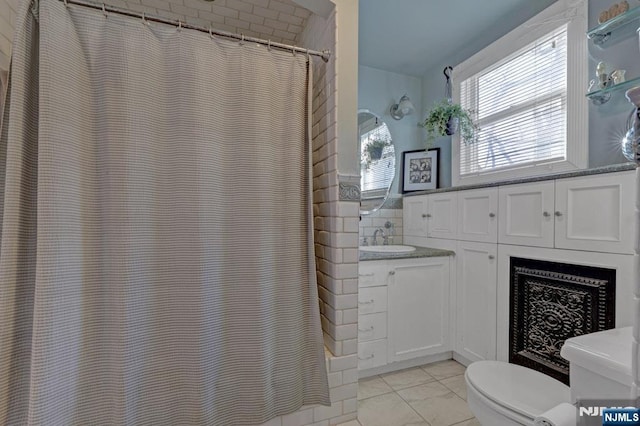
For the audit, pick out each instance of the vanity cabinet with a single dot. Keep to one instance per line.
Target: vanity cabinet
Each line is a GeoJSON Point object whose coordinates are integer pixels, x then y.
{"type": "Point", "coordinates": [478, 215]}
{"type": "Point", "coordinates": [403, 310]}
{"type": "Point", "coordinates": [419, 309]}
{"type": "Point", "coordinates": [476, 282]}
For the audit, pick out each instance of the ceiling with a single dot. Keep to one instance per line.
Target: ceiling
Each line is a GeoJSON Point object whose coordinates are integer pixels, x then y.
{"type": "Point", "coordinates": [413, 36]}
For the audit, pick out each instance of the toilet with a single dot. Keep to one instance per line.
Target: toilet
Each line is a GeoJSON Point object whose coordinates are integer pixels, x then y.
{"type": "Point", "coordinates": [502, 394]}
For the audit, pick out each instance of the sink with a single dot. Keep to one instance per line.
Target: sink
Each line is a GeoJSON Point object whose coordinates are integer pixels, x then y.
{"type": "Point", "coordinates": [388, 249]}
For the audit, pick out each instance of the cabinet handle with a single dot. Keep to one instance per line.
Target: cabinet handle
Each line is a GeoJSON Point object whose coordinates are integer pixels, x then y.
{"type": "Point", "coordinates": [366, 331]}
{"type": "Point", "coordinates": [491, 257]}
{"type": "Point", "coordinates": [424, 215]}
{"type": "Point", "coordinates": [392, 272]}
{"type": "Point", "coordinates": [558, 214]}
{"type": "Point", "coordinates": [545, 214]}
{"type": "Point", "coordinates": [492, 215]}
{"type": "Point", "coordinates": [365, 275]}
{"type": "Point", "coordinates": [366, 303]}
{"type": "Point", "coordinates": [369, 357]}
{"type": "Point", "coordinates": [428, 215]}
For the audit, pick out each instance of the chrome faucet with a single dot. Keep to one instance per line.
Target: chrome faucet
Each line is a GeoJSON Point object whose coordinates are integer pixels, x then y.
{"type": "Point", "coordinates": [375, 237]}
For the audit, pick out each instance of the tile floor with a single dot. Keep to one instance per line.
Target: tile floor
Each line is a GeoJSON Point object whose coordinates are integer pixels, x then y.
{"type": "Point", "coordinates": [430, 395]}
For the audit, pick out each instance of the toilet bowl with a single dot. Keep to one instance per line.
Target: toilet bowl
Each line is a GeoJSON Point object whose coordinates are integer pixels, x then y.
{"type": "Point", "coordinates": [503, 394]}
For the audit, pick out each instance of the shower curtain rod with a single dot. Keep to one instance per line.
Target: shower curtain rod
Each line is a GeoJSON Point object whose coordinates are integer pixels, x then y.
{"type": "Point", "coordinates": [325, 54]}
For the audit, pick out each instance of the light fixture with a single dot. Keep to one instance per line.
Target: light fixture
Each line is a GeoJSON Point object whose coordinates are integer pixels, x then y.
{"type": "Point", "coordinates": [402, 108]}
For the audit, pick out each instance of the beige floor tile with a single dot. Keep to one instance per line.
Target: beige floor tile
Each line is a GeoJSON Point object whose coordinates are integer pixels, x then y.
{"type": "Point", "coordinates": [386, 410]}
{"type": "Point", "coordinates": [372, 386]}
{"type": "Point", "coordinates": [456, 384]}
{"type": "Point", "coordinates": [444, 369]}
{"type": "Point", "coordinates": [443, 410]}
{"type": "Point", "coordinates": [472, 422]}
{"type": "Point", "coordinates": [407, 378]}
{"type": "Point", "coordinates": [422, 392]}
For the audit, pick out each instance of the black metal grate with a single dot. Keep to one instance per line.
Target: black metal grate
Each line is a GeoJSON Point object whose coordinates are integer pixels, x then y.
{"type": "Point", "coordinates": [551, 302]}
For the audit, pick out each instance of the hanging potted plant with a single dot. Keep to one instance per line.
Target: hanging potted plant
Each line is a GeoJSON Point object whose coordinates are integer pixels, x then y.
{"type": "Point", "coordinates": [373, 150]}
{"type": "Point", "coordinates": [446, 118]}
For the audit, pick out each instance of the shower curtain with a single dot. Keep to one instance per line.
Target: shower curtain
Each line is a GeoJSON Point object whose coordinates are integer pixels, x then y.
{"type": "Point", "coordinates": [156, 252]}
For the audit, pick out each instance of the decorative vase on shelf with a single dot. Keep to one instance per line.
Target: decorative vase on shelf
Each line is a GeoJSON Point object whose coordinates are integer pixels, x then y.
{"type": "Point", "coordinates": [631, 141]}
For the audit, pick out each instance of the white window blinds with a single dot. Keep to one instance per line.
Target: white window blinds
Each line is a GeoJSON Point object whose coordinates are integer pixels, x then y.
{"type": "Point", "coordinates": [520, 106]}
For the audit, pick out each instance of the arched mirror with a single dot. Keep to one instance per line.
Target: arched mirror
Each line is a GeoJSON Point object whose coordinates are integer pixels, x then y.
{"type": "Point", "coordinates": [377, 161]}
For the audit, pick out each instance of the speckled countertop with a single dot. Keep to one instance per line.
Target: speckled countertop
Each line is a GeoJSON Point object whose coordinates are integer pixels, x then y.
{"type": "Point", "coordinates": [595, 171]}
{"type": "Point", "coordinates": [419, 252]}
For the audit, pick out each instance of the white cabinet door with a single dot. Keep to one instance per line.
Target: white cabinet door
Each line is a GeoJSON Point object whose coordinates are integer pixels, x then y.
{"type": "Point", "coordinates": [414, 216]}
{"type": "Point", "coordinates": [442, 215]}
{"type": "Point", "coordinates": [526, 214]}
{"type": "Point", "coordinates": [478, 215]}
{"type": "Point", "coordinates": [476, 300]}
{"type": "Point", "coordinates": [419, 309]}
{"type": "Point", "coordinates": [596, 213]}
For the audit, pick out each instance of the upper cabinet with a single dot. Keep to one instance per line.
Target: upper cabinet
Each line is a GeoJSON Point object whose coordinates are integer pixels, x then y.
{"type": "Point", "coordinates": [478, 215]}
{"type": "Point", "coordinates": [596, 213]}
{"type": "Point", "coordinates": [441, 216]}
{"type": "Point", "coordinates": [526, 214]}
{"type": "Point", "coordinates": [591, 213]}
{"type": "Point", "coordinates": [414, 216]}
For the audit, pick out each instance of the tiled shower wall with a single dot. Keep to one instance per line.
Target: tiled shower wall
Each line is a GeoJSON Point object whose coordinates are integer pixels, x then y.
{"type": "Point", "coordinates": [8, 9]}
{"type": "Point", "coordinates": [379, 220]}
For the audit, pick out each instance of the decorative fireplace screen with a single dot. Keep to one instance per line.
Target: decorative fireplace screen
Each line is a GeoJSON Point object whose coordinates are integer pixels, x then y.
{"type": "Point", "coordinates": [551, 302]}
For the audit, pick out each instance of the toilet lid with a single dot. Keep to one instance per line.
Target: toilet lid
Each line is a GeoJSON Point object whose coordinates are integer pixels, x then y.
{"type": "Point", "coordinates": [517, 388]}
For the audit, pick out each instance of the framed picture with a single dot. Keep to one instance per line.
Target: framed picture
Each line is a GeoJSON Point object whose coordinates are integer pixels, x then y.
{"type": "Point", "coordinates": [420, 169]}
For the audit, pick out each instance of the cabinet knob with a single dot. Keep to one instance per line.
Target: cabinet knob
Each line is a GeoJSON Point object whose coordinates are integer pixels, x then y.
{"type": "Point", "coordinates": [392, 272]}
{"type": "Point", "coordinates": [424, 215]}
{"type": "Point", "coordinates": [428, 215]}
{"type": "Point", "coordinates": [492, 215]}
{"type": "Point", "coordinates": [546, 214]}
{"type": "Point", "coordinates": [491, 257]}
{"type": "Point", "coordinates": [558, 214]}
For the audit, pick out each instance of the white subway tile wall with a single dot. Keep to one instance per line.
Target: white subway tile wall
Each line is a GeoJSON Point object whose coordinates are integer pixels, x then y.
{"type": "Point", "coordinates": [280, 21]}
{"type": "Point", "coordinates": [378, 219]}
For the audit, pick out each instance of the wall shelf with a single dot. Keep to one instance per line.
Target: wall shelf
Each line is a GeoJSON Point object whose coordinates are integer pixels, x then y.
{"type": "Point", "coordinates": [602, 33]}
{"type": "Point", "coordinates": [601, 96]}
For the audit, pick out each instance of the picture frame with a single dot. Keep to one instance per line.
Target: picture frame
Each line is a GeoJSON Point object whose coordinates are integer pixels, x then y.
{"type": "Point", "coordinates": [420, 169]}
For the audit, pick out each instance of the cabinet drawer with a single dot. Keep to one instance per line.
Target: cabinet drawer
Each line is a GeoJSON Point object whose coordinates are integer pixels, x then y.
{"type": "Point", "coordinates": [372, 354]}
{"type": "Point", "coordinates": [372, 274]}
{"type": "Point", "coordinates": [372, 327]}
{"type": "Point", "coordinates": [372, 300]}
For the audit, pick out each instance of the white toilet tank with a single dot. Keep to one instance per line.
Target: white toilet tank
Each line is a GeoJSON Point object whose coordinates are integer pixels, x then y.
{"type": "Point", "coordinates": [600, 364]}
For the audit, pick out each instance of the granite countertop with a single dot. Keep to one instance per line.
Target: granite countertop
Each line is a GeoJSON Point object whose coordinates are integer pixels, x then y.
{"type": "Point", "coordinates": [576, 173]}
{"type": "Point", "coordinates": [419, 252]}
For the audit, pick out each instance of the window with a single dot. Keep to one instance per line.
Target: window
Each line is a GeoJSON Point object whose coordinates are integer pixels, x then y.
{"type": "Point", "coordinates": [526, 92]}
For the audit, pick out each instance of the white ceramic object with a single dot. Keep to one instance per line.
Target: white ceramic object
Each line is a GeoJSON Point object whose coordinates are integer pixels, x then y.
{"type": "Point", "coordinates": [502, 394]}
{"type": "Point", "coordinates": [388, 249]}
{"type": "Point", "coordinates": [499, 393]}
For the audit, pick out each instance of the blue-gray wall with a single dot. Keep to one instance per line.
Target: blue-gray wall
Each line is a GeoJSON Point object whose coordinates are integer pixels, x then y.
{"type": "Point", "coordinates": [606, 122]}
{"type": "Point", "coordinates": [377, 91]}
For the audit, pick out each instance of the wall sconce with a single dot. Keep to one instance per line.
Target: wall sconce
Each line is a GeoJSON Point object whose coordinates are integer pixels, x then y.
{"type": "Point", "coordinates": [402, 108]}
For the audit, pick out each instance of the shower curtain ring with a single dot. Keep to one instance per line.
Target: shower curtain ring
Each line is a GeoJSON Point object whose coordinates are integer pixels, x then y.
{"type": "Point", "coordinates": [104, 10]}
{"type": "Point", "coordinates": [179, 25]}
{"type": "Point", "coordinates": [269, 46]}
{"type": "Point", "coordinates": [66, 4]}
{"type": "Point", "coordinates": [211, 32]}
{"type": "Point", "coordinates": [294, 51]}
{"type": "Point", "coordinates": [241, 40]}
{"type": "Point", "coordinates": [144, 21]}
